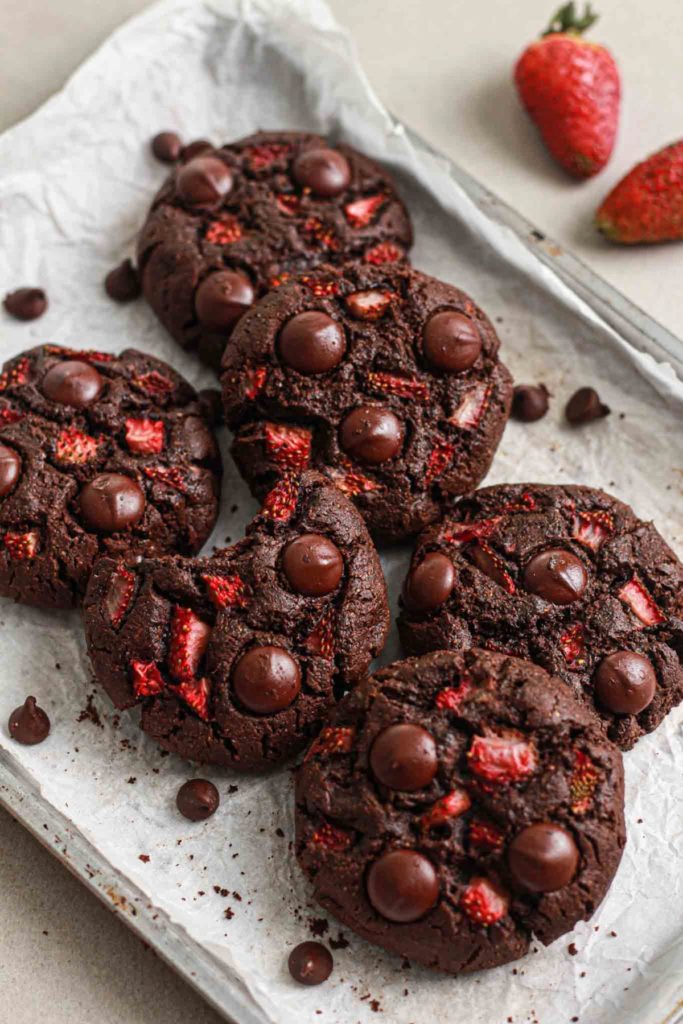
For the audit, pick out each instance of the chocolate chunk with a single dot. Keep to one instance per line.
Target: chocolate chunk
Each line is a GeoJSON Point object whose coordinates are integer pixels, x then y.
{"type": "Point", "coordinates": [26, 303]}
{"type": "Point", "coordinates": [10, 469]}
{"type": "Point", "coordinates": [166, 147]}
{"type": "Point", "coordinates": [310, 963]}
{"type": "Point", "coordinates": [204, 181]}
{"type": "Point", "coordinates": [266, 679]}
{"type": "Point", "coordinates": [584, 406]}
{"type": "Point", "coordinates": [430, 583]}
{"type": "Point", "coordinates": [529, 402]}
{"type": "Point", "coordinates": [625, 682]}
{"type": "Point", "coordinates": [404, 757]}
{"type": "Point", "coordinates": [222, 298]}
{"type": "Point", "coordinates": [312, 342]}
{"type": "Point", "coordinates": [29, 724]}
{"type": "Point", "coordinates": [543, 857]}
{"type": "Point", "coordinates": [325, 172]}
{"type": "Point", "coordinates": [197, 799]}
{"type": "Point", "coordinates": [112, 502]}
{"type": "Point", "coordinates": [371, 434]}
{"type": "Point", "coordinates": [313, 565]}
{"type": "Point", "coordinates": [451, 341]}
{"type": "Point", "coordinates": [557, 576]}
{"type": "Point", "coordinates": [122, 284]}
{"type": "Point", "coordinates": [403, 885]}
{"type": "Point", "coordinates": [73, 382]}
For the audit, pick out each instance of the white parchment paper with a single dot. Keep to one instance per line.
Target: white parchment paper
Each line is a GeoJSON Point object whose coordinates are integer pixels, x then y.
{"type": "Point", "coordinates": [75, 180]}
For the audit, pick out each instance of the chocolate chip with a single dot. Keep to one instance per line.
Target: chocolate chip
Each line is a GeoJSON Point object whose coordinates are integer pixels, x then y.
{"type": "Point", "coordinates": [310, 963]}
{"type": "Point", "coordinates": [556, 575]}
{"type": "Point", "coordinates": [122, 284]}
{"type": "Point", "coordinates": [584, 406]}
{"type": "Point", "coordinates": [430, 583]}
{"type": "Point", "coordinates": [266, 679]}
{"type": "Point", "coordinates": [10, 469]}
{"type": "Point", "coordinates": [325, 171]}
{"type": "Point", "coordinates": [72, 382]}
{"type": "Point", "coordinates": [29, 724]}
{"type": "Point", "coordinates": [222, 298]}
{"type": "Point", "coordinates": [193, 149]}
{"type": "Point", "coordinates": [543, 858]}
{"type": "Point", "coordinates": [489, 563]}
{"type": "Point", "coordinates": [529, 402]}
{"type": "Point", "coordinates": [204, 181]}
{"type": "Point", "coordinates": [197, 799]}
{"type": "Point", "coordinates": [312, 342]}
{"type": "Point", "coordinates": [167, 147]}
{"type": "Point", "coordinates": [371, 434]}
{"type": "Point", "coordinates": [451, 341]}
{"type": "Point", "coordinates": [212, 405]}
{"type": "Point", "coordinates": [404, 757]}
{"type": "Point", "coordinates": [625, 682]}
{"type": "Point", "coordinates": [112, 502]}
{"type": "Point", "coordinates": [26, 303]}
{"type": "Point", "coordinates": [313, 565]}
{"type": "Point", "coordinates": [402, 885]}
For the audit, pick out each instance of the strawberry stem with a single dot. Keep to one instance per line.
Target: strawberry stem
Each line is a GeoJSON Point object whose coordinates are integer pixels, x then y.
{"type": "Point", "coordinates": [567, 19]}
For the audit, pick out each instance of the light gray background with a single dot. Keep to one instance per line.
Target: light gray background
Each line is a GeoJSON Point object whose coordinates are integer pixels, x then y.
{"type": "Point", "coordinates": [444, 67]}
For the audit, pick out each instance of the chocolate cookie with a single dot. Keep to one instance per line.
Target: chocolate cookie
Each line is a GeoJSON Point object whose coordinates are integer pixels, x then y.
{"type": "Point", "coordinates": [457, 803]}
{"type": "Point", "coordinates": [384, 379]}
{"type": "Point", "coordinates": [230, 223]}
{"type": "Point", "coordinates": [236, 659]}
{"type": "Point", "coordinates": [568, 577]}
{"type": "Point", "coordinates": [99, 454]}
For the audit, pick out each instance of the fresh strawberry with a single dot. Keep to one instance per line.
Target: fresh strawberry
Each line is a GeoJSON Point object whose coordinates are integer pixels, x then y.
{"type": "Point", "coordinates": [18, 374]}
{"type": "Point", "coordinates": [592, 529]}
{"type": "Point", "coordinates": [383, 252]}
{"type": "Point", "coordinates": [171, 476]}
{"type": "Point", "coordinates": [146, 678]}
{"type": "Point", "coordinates": [288, 203]}
{"type": "Point", "coordinates": [319, 286]}
{"type": "Point", "coordinates": [119, 594]}
{"type": "Point", "coordinates": [485, 837]}
{"type": "Point", "coordinates": [403, 387]}
{"type": "Point", "coordinates": [321, 639]}
{"type": "Point", "coordinates": [352, 483]}
{"type": "Point", "coordinates": [21, 546]}
{"type": "Point", "coordinates": [573, 644]}
{"type": "Point", "coordinates": [189, 640]}
{"type": "Point", "coordinates": [361, 212]}
{"type": "Point", "coordinates": [332, 740]}
{"type": "Point", "coordinates": [330, 837]}
{"type": "Point", "coordinates": [195, 693]}
{"type": "Point", "coordinates": [280, 503]}
{"type": "Point", "coordinates": [464, 533]}
{"type": "Point", "coordinates": [439, 460]}
{"type": "Point", "coordinates": [369, 305]}
{"type": "Point", "coordinates": [265, 155]}
{"type": "Point", "coordinates": [571, 90]}
{"type": "Point", "coordinates": [288, 447]}
{"type": "Point", "coordinates": [145, 436]}
{"type": "Point", "coordinates": [450, 806]}
{"type": "Point", "coordinates": [154, 383]}
{"type": "Point", "coordinates": [471, 408]}
{"type": "Point", "coordinates": [75, 448]}
{"type": "Point", "coordinates": [647, 205]}
{"type": "Point", "coordinates": [226, 591]}
{"type": "Point", "coordinates": [256, 379]}
{"type": "Point", "coordinates": [492, 565]}
{"type": "Point", "coordinates": [224, 231]}
{"type": "Point", "coordinates": [501, 759]}
{"type": "Point", "coordinates": [640, 601]}
{"type": "Point", "coordinates": [582, 783]}
{"type": "Point", "coordinates": [320, 234]}
{"type": "Point", "coordinates": [484, 902]}
{"type": "Point", "coordinates": [450, 698]}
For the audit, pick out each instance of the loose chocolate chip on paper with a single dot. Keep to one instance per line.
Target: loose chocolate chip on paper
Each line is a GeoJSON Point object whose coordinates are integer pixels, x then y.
{"type": "Point", "coordinates": [26, 303]}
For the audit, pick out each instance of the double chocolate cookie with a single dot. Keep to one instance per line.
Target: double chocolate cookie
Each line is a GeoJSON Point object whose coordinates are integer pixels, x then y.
{"type": "Point", "coordinates": [384, 379]}
{"type": "Point", "coordinates": [235, 659]}
{"type": "Point", "coordinates": [99, 454]}
{"type": "Point", "coordinates": [568, 577]}
{"type": "Point", "coordinates": [457, 803]}
{"type": "Point", "coordinates": [232, 222]}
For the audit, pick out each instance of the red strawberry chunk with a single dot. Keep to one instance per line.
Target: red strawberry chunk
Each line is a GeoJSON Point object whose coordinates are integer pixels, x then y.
{"type": "Point", "coordinates": [224, 231]}
{"type": "Point", "coordinates": [256, 379]}
{"type": "Point", "coordinates": [383, 252]}
{"type": "Point", "coordinates": [439, 461]}
{"type": "Point", "coordinates": [73, 447]}
{"type": "Point", "coordinates": [147, 679]}
{"type": "Point", "coordinates": [145, 436]}
{"type": "Point", "coordinates": [21, 546]}
{"type": "Point", "coordinates": [321, 639]}
{"type": "Point", "coordinates": [8, 415]}
{"type": "Point", "coordinates": [89, 355]}
{"type": "Point", "coordinates": [527, 504]}
{"type": "Point", "coordinates": [501, 759]}
{"type": "Point", "coordinates": [172, 476]}
{"type": "Point", "coordinates": [330, 837]}
{"type": "Point", "coordinates": [288, 203]}
{"type": "Point", "coordinates": [352, 483]}
{"type": "Point", "coordinates": [289, 447]}
{"type": "Point", "coordinates": [582, 783]}
{"type": "Point", "coordinates": [154, 383]}
{"type": "Point", "coordinates": [279, 279]}
{"type": "Point", "coordinates": [280, 503]}
{"type": "Point", "coordinates": [471, 408]}
{"type": "Point", "coordinates": [265, 155]}
{"type": "Point", "coordinates": [484, 902]}
{"type": "Point", "coordinates": [451, 697]}
{"type": "Point", "coordinates": [450, 806]}
{"type": "Point", "coordinates": [19, 374]}
{"type": "Point", "coordinates": [492, 565]}
{"type": "Point", "coordinates": [361, 212]}
{"type": "Point", "coordinates": [119, 594]}
{"type": "Point", "coordinates": [320, 286]}
{"type": "Point", "coordinates": [369, 305]}
{"type": "Point", "coordinates": [403, 387]}
{"type": "Point", "coordinates": [485, 837]}
{"type": "Point", "coordinates": [641, 603]}
{"type": "Point", "coordinates": [227, 591]}
{"type": "Point", "coordinates": [195, 693]}
{"type": "Point", "coordinates": [332, 740]}
{"type": "Point", "coordinates": [463, 533]}
{"type": "Point", "coordinates": [319, 233]}
{"type": "Point", "coordinates": [189, 640]}
{"type": "Point", "coordinates": [573, 644]}
{"type": "Point", "coordinates": [592, 529]}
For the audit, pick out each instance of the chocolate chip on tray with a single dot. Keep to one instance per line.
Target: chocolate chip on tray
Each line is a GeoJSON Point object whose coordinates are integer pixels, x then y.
{"type": "Point", "coordinates": [26, 303]}
{"type": "Point", "coordinates": [310, 963]}
{"type": "Point", "coordinates": [29, 724]}
{"type": "Point", "coordinates": [197, 799]}
{"type": "Point", "coordinates": [167, 147]}
{"type": "Point", "coordinates": [585, 406]}
{"type": "Point", "coordinates": [529, 402]}
{"type": "Point", "coordinates": [122, 284]}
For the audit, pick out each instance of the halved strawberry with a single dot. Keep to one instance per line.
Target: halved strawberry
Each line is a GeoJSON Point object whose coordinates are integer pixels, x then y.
{"type": "Point", "coordinates": [21, 546]}
{"type": "Point", "coordinates": [332, 740]}
{"type": "Point", "coordinates": [484, 836]}
{"type": "Point", "coordinates": [189, 640]}
{"type": "Point", "coordinates": [361, 212]}
{"type": "Point", "coordinates": [288, 203]}
{"type": "Point", "coordinates": [119, 594]}
{"type": "Point", "coordinates": [145, 436]}
{"type": "Point", "coordinates": [330, 837]}
{"type": "Point", "coordinates": [280, 503]}
{"type": "Point", "coordinates": [266, 154]}
{"type": "Point", "coordinates": [172, 476]}
{"type": "Point", "coordinates": [491, 564]}
{"type": "Point", "coordinates": [321, 639]}
{"type": "Point", "coordinates": [8, 414]}
{"type": "Point", "coordinates": [583, 782]}
{"type": "Point", "coordinates": [224, 231]}
{"type": "Point", "coordinates": [592, 528]}
{"type": "Point", "coordinates": [450, 806]}
{"type": "Point", "coordinates": [383, 252]}
{"type": "Point", "coordinates": [501, 759]}
{"type": "Point", "coordinates": [319, 286]}
{"type": "Point", "coordinates": [74, 447]}
{"type": "Point", "coordinates": [146, 678]}
{"type": "Point", "coordinates": [451, 697]}
{"type": "Point", "coordinates": [471, 408]}
{"type": "Point", "coordinates": [256, 378]}
{"type": "Point", "coordinates": [640, 601]}
{"type": "Point", "coordinates": [439, 461]}
{"type": "Point", "coordinates": [195, 693]}
{"type": "Point", "coordinates": [288, 447]}
{"type": "Point", "coordinates": [573, 644]}
{"type": "Point", "coordinates": [368, 305]}
{"type": "Point", "coordinates": [403, 387]}
{"type": "Point", "coordinates": [226, 591]}
{"type": "Point", "coordinates": [484, 902]}
{"type": "Point", "coordinates": [18, 374]}
{"type": "Point", "coordinates": [154, 383]}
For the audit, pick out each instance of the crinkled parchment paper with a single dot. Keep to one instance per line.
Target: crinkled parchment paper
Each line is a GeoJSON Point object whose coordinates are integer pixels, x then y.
{"type": "Point", "coordinates": [75, 180]}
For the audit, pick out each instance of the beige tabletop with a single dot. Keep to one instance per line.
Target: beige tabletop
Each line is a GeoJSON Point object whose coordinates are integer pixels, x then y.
{"type": "Point", "coordinates": [444, 67]}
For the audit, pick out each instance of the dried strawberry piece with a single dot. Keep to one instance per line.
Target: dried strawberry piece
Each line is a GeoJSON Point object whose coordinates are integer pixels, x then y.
{"type": "Point", "coordinates": [383, 252]}
{"type": "Point", "coordinates": [119, 594]}
{"type": "Point", "coordinates": [8, 415]}
{"type": "Point", "coordinates": [450, 806]}
{"type": "Point", "coordinates": [288, 447]}
{"type": "Point", "coordinates": [485, 837]}
{"type": "Point", "coordinates": [147, 679]}
{"type": "Point", "coordinates": [403, 387]}
{"type": "Point", "coordinates": [361, 212]}
{"type": "Point", "coordinates": [490, 563]}
{"type": "Point", "coordinates": [266, 154]}
{"type": "Point", "coordinates": [592, 528]}
{"type": "Point", "coordinates": [332, 740]}
{"type": "Point", "coordinates": [368, 305]}
{"type": "Point", "coordinates": [21, 546]}
{"type": "Point", "coordinates": [189, 640]}
{"type": "Point", "coordinates": [279, 279]}
{"type": "Point", "coordinates": [321, 639]}
{"type": "Point", "coordinates": [640, 601]}
{"type": "Point", "coordinates": [319, 234]}
{"type": "Point", "coordinates": [288, 203]}
{"type": "Point", "coordinates": [256, 379]}
{"type": "Point", "coordinates": [484, 902]}
{"type": "Point", "coordinates": [330, 837]}
{"type": "Point", "coordinates": [172, 476]}
{"type": "Point", "coordinates": [145, 436]}
{"type": "Point", "coordinates": [501, 759]}
{"type": "Point", "coordinates": [573, 644]}
{"type": "Point", "coordinates": [227, 591]}
{"type": "Point", "coordinates": [19, 374]}
{"type": "Point", "coordinates": [280, 503]}
{"type": "Point", "coordinates": [320, 286]}
{"type": "Point", "coordinates": [471, 408]}
{"type": "Point", "coordinates": [154, 383]}
{"type": "Point", "coordinates": [195, 693]}
{"type": "Point", "coordinates": [451, 697]}
{"type": "Point", "coordinates": [224, 231]}
{"type": "Point", "coordinates": [75, 447]}
{"type": "Point", "coordinates": [583, 782]}
{"type": "Point", "coordinates": [439, 461]}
